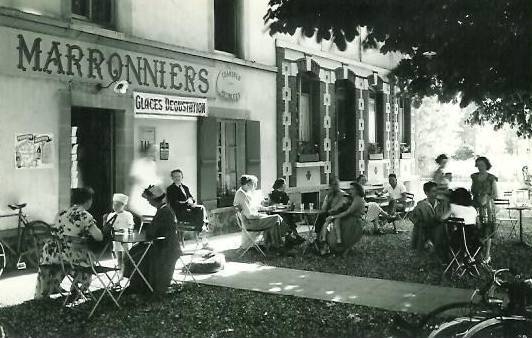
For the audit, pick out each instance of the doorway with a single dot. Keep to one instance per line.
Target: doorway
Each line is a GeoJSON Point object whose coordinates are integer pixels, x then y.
{"type": "Point", "coordinates": [347, 130]}
{"type": "Point", "coordinates": [93, 155]}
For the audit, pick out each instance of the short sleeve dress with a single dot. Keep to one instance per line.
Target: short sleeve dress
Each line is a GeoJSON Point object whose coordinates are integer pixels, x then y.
{"type": "Point", "coordinates": [483, 201]}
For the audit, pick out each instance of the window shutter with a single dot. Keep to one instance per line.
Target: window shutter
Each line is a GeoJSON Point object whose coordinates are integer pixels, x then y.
{"type": "Point", "coordinates": [207, 138]}
{"type": "Point", "coordinates": [253, 148]}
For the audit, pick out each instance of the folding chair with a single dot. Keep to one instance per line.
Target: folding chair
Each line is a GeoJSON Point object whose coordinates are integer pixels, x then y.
{"type": "Point", "coordinates": [184, 269]}
{"type": "Point", "coordinates": [250, 240]}
{"type": "Point", "coordinates": [96, 270]}
{"type": "Point", "coordinates": [513, 222]}
{"type": "Point", "coordinates": [464, 246]}
{"type": "Point", "coordinates": [409, 204]}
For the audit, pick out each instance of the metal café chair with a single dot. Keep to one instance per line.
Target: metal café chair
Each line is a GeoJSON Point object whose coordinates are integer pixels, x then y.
{"type": "Point", "coordinates": [507, 218]}
{"type": "Point", "coordinates": [463, 248]}
{"type": "Point", "coordinates": [251, 242]}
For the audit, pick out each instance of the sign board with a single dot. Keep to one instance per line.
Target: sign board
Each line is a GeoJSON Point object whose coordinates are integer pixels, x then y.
{"type": "Point", "coordinates": [228, 84]}
{"type": "Point", "coordinates": [166, 105]}
{"type": "Point", "coordinates": [33, 151]}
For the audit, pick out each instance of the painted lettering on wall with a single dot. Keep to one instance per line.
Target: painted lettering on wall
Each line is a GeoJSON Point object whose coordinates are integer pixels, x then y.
{"type": "Point", "coordinates": [228, 84]}
{"type": "Point", "coordinates": [92, 63]}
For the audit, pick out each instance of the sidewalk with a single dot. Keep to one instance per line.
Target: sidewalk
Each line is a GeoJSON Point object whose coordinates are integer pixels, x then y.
{"type": "Point", "coordinates": [379, 293]}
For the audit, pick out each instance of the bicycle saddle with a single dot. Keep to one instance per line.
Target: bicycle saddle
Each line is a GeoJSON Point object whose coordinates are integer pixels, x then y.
{"type": "Point", "coordinates": [16, 206]}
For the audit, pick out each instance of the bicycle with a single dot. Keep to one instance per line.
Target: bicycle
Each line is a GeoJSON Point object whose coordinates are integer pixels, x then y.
{"type": "Point", "coordinates": [30, 237]}
{"type": "Point", "coordinates": [493, 314]}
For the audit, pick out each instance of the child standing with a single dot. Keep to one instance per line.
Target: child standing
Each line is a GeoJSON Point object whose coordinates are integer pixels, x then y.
{"type": "Point", "coordinates": [123, 221]}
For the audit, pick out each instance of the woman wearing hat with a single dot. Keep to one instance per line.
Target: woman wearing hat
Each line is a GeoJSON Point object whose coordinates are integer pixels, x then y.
{"type": "Point", "coordinates": [159, 264]}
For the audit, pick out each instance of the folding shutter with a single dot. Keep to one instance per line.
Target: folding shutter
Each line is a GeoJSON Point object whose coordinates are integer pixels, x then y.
{"type": "Point", "coordinates": [207, 174]}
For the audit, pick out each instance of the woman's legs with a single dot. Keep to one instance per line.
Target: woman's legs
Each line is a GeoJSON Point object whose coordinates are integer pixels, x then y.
{"type": "Point", "coordinates": [49, 279]}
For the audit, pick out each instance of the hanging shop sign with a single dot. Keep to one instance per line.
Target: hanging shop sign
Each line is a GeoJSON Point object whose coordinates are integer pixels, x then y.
{"type": "Point", "coordinates": [166, 105]}
{"type": "Point", "coordinates": [33, 151]}
{"type": "Point", "coordinates": [228, 84]}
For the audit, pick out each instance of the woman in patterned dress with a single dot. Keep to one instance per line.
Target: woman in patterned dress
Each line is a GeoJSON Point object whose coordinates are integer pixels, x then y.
{"type": "Point", "coordinates": [69, 245]}
{"type": "Point", "coordinates": [484, 190]}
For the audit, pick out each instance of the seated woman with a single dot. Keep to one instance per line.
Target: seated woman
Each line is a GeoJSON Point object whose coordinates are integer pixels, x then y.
{"type": "Point", "coordinates": [69, 245]}
{"type": "Point", "coordinates": [350, 223]}
{"type": "Point", "coordinates": [335, 202]}
{"type": "Point", "coordinates": [159, 263]}
{"type": "Point", "coordinates": [249, 205]}
{"type": "Point", "coordinates": [279, 196]}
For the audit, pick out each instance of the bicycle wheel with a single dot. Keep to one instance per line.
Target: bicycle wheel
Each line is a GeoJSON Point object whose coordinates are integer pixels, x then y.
{"type": "Point", "coordinates": [454, 328]}
{"type": "Point", "coordinates": [3, 258]}
{"type": "Point", "coordinates": [447, 313]}
{"type": "Point", "coordinates": [34, 236]}
{"type": "Point", "coordinates": [501, 327]}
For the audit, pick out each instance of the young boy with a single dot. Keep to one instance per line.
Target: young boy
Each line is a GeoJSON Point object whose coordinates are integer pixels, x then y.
{"type": "Point", "coordinates": [123, 221]}
{"type": "Point", "coordinates": [426, 216]}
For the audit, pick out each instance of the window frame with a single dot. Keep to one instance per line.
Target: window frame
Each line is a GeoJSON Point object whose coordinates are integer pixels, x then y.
{"type": "Point", "coordinates": [236, 32]}
{"type": "Point", "coordinates": [90, 20]}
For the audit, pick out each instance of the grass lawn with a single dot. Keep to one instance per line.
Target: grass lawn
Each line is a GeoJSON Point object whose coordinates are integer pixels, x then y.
{"type": "Point", "coordinates": [206, 311]}
{"type": "Point", "coordinates": [389, 257]}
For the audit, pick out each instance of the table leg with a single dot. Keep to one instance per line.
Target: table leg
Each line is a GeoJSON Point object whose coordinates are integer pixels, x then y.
{"type": "Point", "coordinates": [521, 225]}
{"type": "Point", "coordinates": [136, 269]}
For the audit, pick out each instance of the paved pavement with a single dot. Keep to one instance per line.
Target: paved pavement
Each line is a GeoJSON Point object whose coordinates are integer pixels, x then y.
{"type": "Point", "coordinates": [379, 293]}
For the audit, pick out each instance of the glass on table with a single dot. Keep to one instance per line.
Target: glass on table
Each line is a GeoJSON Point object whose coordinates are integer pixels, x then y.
{"type": "Point", "coordinates": [302, 206]}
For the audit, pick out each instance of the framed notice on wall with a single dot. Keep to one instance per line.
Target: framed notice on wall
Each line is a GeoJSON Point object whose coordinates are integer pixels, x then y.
{"type": "Point", "coordinates": [34, 151]}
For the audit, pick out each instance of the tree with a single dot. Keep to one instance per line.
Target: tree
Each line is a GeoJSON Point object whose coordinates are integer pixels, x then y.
{"type": "Point", "coordinates": [474, 51]}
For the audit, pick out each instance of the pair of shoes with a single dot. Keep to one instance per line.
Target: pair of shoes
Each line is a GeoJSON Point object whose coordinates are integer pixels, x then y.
{"type": "Point", "coordinates": [378, 232]}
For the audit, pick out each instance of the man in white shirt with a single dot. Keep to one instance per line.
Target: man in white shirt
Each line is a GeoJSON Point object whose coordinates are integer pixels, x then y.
{"type": "Point", "coordinates": [396, 192]}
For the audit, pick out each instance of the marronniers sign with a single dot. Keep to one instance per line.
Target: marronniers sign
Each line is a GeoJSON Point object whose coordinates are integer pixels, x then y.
{"type": "Point", "coordinates": [82, 61]}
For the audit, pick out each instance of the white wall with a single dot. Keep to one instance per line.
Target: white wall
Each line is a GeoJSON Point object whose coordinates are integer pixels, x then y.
{"type": "Point", "coordinates": [50, 8]}
{"type": "Point", "coordinates": [182, 137]}
{"type": "Point", "coordinates": [176, 22]}
{"type": "Point", "coordinates": [22, 114]}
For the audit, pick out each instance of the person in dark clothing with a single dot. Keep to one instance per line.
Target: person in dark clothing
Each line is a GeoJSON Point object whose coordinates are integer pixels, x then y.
{"type": "Point", "coordinates": [279, 196]}
{"type": "Point", "coordinates": [183, 204]}
{"type": "Point", "coordinates": [159, 264]}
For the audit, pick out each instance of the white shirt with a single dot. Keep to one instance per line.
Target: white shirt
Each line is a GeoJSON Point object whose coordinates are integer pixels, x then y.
{"type": "Point", "coordinates": [469, 214]}
{"type": "Point", "coordinates": [248, 203]}
{"type": "Point", "coordinates": [395, 193]}
{"type": "Point", "coordinates": [124, 220]}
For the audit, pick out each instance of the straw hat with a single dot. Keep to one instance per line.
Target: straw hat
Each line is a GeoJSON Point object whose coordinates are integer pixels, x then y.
{"type": "Point", "coordinates": [153, 191]}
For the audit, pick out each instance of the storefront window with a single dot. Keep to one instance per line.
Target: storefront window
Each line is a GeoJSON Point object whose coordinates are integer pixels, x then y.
{"type": "Point", "coordinates": [97, 11]}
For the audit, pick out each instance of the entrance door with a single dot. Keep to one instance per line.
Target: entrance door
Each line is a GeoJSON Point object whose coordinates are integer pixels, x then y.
{"type": "Point", "coordinates": [93, 155]}
{"type": "Point", "coordinates": [347, 132]}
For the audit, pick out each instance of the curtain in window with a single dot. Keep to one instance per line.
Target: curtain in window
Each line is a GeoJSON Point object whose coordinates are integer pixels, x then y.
{"type": "Point", "coordinates": [372, 121]}
{"type": "Point", "coordinates": [304, 118]}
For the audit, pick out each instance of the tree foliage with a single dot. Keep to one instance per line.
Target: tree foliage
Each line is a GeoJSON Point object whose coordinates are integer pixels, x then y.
{"type": "Point", "coordinates": [476, 51]}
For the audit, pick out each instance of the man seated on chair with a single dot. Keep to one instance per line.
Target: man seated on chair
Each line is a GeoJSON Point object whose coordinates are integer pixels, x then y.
{"type": "Point", "coordinates": [396, 193]}
{"type": "Point", "coordinates": [182, 202]}
{"type": "Point", "coordinates": [429, 232]}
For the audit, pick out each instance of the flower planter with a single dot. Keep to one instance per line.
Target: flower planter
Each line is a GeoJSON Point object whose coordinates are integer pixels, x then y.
{"type": "Point", "coordinates": [376, 156]}
{"type": "Point", "coordinates": [309, 158]}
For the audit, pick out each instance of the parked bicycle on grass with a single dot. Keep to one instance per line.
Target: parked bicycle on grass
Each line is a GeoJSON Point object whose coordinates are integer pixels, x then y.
{"type": "Point", "coordinates": [21, 247]}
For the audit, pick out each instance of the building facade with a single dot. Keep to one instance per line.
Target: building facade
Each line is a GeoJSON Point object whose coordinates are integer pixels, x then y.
{"type": "Point", "coordinates": [114, 95]}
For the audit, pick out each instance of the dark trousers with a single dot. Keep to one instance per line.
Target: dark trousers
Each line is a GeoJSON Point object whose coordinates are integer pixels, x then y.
{"type": "Point", "coordinates": [320, 221]}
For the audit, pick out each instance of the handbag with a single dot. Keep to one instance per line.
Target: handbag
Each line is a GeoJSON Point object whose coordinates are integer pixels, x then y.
{"type": "Point", "coordinates": [107, 232]}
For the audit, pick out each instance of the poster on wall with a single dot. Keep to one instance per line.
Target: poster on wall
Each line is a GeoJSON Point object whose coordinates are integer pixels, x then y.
{"type": "Point", "coordinates": [33, 151]}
